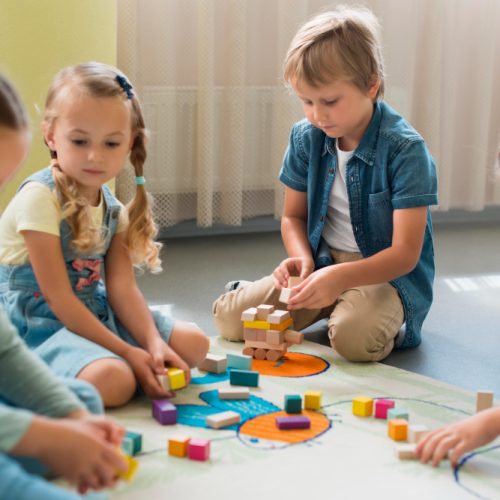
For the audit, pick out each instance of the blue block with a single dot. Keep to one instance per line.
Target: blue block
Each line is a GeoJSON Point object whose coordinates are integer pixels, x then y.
{"type": "Point", "coordinates": [244, 377]}
{"type": "Point", "coordinates": [293, 403]}
{"type": "Point", "coordinates": [132, 443]}
{"type": "Point", "coordinates": [239, 361]}
{"type": "Point", "coordinates": [398, 413]}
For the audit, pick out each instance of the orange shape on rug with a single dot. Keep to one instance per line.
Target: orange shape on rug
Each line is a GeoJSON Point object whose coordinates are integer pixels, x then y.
{"type": "Point", "coordinates": [293, 364]}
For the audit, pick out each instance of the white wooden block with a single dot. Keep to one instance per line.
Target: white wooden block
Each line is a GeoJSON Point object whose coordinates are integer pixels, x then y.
{"type": "Point", "coordinates": [222, 419]}
{"type": "Point", "coordinates": [234, 393]}
{"type": "Point", "coordinates": [214, 363]}
{"type": "Point", "coordinates": [285, 295]}
{"type": "Point", "coordinates": [249, 314]}
{"type": "Point", "coordinates": [484, 400]}
{"type": "Point", "coordinates": [417, 432]}
{"type": "Point", "coordinates": [406, 451]}
{"type": "Point", "coordinates": [164, 381]}
{"type": "Point", "coordinates": [293, 337]}
{"type": "Point", "coordinates": [263, 311]}
{"type": "Point", "coordinates": [278, 316]}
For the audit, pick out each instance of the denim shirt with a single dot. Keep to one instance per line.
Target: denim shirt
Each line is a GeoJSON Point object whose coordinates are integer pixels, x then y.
{"type": "Point", "coordinates": [390, 169]}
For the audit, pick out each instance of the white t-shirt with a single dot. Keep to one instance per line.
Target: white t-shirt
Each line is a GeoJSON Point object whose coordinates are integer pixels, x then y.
{"type": "Point", "coordinates": [36, 208]}
{"type": "Point", "coordinates": [338, 228]}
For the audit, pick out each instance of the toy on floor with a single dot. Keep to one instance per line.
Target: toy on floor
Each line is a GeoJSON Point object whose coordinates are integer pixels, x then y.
{"type": "Point", "coordinates": [266, 333]}
{"type": "Point", "coordinates": [214, 363]}
{"type": "Point", "coordinates": [172, 379]}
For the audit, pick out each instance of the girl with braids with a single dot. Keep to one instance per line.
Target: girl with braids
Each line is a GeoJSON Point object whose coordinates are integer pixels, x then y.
{"type": "Point", "coordinates": [68, 247]}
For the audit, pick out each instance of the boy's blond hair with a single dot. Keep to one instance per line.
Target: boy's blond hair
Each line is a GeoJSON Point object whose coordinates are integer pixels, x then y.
{"type": "Point", "coordinates": [342, 44]}
{"type": "Point", "coordinates": [100, 80]}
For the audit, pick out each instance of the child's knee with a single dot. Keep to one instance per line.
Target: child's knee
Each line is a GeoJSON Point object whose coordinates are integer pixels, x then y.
{"type": "Point", "coordinates": [200, 345]}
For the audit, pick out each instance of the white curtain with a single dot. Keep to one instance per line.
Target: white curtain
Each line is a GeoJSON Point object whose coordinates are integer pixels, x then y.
{"type": "Point", "coordinates": [209, 76]}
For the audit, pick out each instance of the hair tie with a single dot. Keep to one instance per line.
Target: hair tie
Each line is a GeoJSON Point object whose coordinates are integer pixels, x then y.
{"type": "Point", "coordinates": [125, 85]}
{"type": "Point", "coordinates": [140, 180]}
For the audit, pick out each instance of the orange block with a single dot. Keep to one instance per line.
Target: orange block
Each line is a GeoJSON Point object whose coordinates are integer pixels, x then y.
{"type": "Point", "coordinates": [178, 445]}
{"type": "Point", "coordinates": [398, 429]}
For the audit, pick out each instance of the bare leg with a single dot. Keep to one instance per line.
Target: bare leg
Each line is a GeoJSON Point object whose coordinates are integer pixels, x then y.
{"type": "Point", "coordinates": [189, 342]}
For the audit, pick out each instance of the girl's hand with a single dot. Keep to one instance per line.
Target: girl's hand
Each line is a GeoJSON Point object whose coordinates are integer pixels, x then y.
{"type": "Point", "coordinates": [106, 427]}
{"type": "Point", "coordinates": [163, 354]}
{"type": "Point", "coordinates": [145, 369]}
{"type": "Point", "coordinates": [293, 266]}
{"type": "Point", "coordinates": [460, 438]}
{"type": "Point", "coordinates": [320, 289]}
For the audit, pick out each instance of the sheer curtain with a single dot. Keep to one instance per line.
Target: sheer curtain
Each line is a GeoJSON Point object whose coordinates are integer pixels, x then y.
{"type": "Point", "coordinates": [209, 75]}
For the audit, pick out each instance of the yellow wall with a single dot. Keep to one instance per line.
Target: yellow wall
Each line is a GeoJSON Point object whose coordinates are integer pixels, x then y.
{"type": "Point", "coordinates": [39, 37]}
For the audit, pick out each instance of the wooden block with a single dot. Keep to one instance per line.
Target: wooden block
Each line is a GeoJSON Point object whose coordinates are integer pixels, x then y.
{"type": "Point", "coordinates": [132, 443]}
{"type": "Point", "coordinates": [164, 381]}
{"type": "Point", "coordinates": [177, 378]}
{"type": "Point", "coordinates": [178, 445]}
{"type": "Point", "coordinates": [133, 464]}
{"type": "Point", "coordinates": [285, 295]}
{"type": "Point", "coordinates": [251, 333]}
{"type": "Point", "coordinates": [266, 345]}
{"type": "Point", "coordinates": [362, 406]}
{"type": "Point", "coordinates": [199, 449]}
{"type": "Point", "coordinates": [240, 361]}
{"type": "Point", "coordinates": [261, 335]}
{"type": "Point", "coordinates": [295, 422]}
{"type": "Point", "coordinates": [223, 419]}
{"type": "Point", "coordinates": [244, 377]}
{"type": "Point", "coordinates": [398, 429]}
{"type": "Point", "coordinates": [382, 406]}
{"type": "Point", "coordinates": [263, 311]}
{"type": "Point", "coordinates": [278, 316]}
{"type": "Point", "coordinates": [265, 325]}
{"type": "Point", "coordinates": [249, 314]}
{"type": "Point", "coordinates": [275, 337]}
{"type": "Point", "coordinates": [293, 337]}
{"type": "Point", "coordinates": [294, 281]}
{"type": "Point", "coordinates": [293, 403]}
{"type": "Point", "coordinates": [417, 432]}
{"type": "Point", "coordinates": [164, 411]}
{"type": "Point", "coordinates": [484, 400]}
{"type": "Point", "coordinates": [312, 400]}
{"type": "Point", "coordinates": [214, 363]}
{"type": "Point", "coordinates": [234, 393]}
{"type": "Point", "coordinates": [398, 413]}
{"type": "Point", "coordinates": [406, 451]}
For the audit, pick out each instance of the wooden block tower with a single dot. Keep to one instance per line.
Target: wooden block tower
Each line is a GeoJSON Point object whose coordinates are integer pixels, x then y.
{"type": "Point", "coordinates": [266, 333]}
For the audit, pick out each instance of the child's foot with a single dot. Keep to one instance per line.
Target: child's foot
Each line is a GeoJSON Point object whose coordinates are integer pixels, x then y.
{"type": "Point", "coordinates": [233, 285]}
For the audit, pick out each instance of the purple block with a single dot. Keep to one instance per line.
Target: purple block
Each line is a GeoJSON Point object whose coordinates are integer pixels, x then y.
{"type": "Point", "coordinates": [164, 411]}
{"type": "Point", "coordinates": [295, 422]}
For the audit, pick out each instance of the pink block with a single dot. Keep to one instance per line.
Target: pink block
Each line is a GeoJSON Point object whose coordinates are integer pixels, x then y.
{"type": "Point", "coordinates": [199, 449]}
{"type": "Point", "coordinates": [382, 406]}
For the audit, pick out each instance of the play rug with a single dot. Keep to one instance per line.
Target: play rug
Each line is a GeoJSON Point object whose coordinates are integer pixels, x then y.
{"type": "Point", "coordinates": [342, 456]}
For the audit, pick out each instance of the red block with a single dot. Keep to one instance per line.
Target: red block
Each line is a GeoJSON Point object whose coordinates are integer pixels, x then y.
{"type": "Point", "coordinates": [382, 406]}
{"type": "Point", "coordinates": [199, 449]}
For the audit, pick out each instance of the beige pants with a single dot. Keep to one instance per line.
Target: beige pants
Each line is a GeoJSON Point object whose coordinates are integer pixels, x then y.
{"type": "Point", "coordinates": [362, 323]}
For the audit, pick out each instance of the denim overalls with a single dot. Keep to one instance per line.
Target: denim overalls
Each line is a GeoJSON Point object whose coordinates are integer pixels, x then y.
{"type": "Point", "coordinates": [64, 351]}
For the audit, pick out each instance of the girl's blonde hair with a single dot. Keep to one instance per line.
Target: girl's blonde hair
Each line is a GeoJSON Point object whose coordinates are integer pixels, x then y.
{"type": "Point", "coordinates": [100, 80]}
{"type": "Point", "coordinates": [342, 44]}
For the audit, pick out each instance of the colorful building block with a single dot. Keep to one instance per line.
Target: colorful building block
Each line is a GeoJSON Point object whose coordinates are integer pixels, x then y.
{"type": "Point", "coordinates": [293, 337]}
{"type": "Point", "coordinates": [132, 464]}
{"type": "Point", "coordinates": [278, 317]}
{"type": "Point", "coordinates": [239, 361]}
{"type": "Point", "coordinates": [398, 429]}
{"type": "Point", "coordinates": [382, 406]}
{"type": "Point", "coordinates": [214, 363]}
{"type": "Point", "coordinates": [132, 443]}
{"type": "Point", "coordinates": [295, 422]}
{"type": "Point", "coordinates": [362, 406]}
{"type": "Point", "coordinates": [275, 337]}
{"type": "Point", "coordinates": [263, 311]}
{"type": "Point", "coordinates": [177, 378]}
{"type": "Point", "coordinates": [398, 413]}
{"type": "Point", "coordinates": [223, 419]}
{"type": "Point", "coordinates": [199, 449]}
{"type": "Point", "coordinates": [484, 400]}
{"type": "Point", "coordinates": [234, 393]}
{"type": "Point", "coordinates": [178, 445]}
{"type": "Point", "coordinates": [244, 377]}
{"type": "Point", "coordinates": [285, 295]}
{"type": "Point", "coordinates": [164, 411]}
{"type": "Point", "coordinates": [249, 314]}
{"type": "Point", "coordinates": [312, 400]}
{"type": "Point", "coordinates": [417, 432]}
{"type": "Point", "coordinates": [293, 403]}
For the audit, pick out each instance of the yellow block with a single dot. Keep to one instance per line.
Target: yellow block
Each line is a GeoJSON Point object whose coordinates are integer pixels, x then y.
{"type": "Point", "coordinates": [362, 406]}
{"type": "Point", "coordinates": [312, 400]}
{"type": "Point", "coordinates": [133, 464]}
{"type": "Point", "coordinates": [398, 429]}
{"type": "Point", "coordinates": [178, 445]}
{"type": "Point", "coordinates": [264, 325]}
{"type": "Point", "coordinates": [177, 378]}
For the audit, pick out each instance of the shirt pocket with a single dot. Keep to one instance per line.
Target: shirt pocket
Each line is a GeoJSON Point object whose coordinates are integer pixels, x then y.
{"type": "Point", "coordinates": [379, 217]}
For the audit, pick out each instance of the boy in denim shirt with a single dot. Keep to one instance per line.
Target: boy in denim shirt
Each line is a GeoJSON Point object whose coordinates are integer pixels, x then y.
{"type": "Point", "coordinates": [358, 184]}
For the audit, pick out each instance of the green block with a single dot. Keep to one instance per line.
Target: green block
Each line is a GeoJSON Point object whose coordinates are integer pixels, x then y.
{"type": "Point", "coordinates": [293, 403]}
{"type": "Point", "coordinates": [398, 413]}
{"type": "Point", "coordinates": [132, 443]}
{"type": "Point", "coordinates": [244, 377]}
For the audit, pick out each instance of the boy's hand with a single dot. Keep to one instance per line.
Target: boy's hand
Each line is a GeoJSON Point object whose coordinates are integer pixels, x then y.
{"type": "Point", "coordinates": [293, 266]}
{"type": "Point", "coordinates": [320, 289]}
{"type": "Point", "coordinates": [460, 438]}
{"type": "Point", "coordinates": [163, 354]}
{"type": "Point", "coordinates": [106, 427]}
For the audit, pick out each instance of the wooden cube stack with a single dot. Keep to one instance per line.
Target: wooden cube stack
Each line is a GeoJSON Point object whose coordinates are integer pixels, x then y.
{"type": "Point", "coordinates": [266, 333]}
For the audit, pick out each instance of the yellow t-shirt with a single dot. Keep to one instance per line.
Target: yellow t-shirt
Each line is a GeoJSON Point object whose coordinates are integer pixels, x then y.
{"type": "Point", "coordinates": [36, 208]}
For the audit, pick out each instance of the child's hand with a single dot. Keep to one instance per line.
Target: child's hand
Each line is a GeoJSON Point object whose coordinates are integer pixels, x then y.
{"type": "Point", "coordinates": [319, 290]}
{"type": "Point", "coordinates": [163, 354]}
{"type": "Point", "coordinates": [293, 266]}
{"type": "Point", "coordinates": [461, 437]}
{"type": "Point", "coordinates": [106, 427]}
